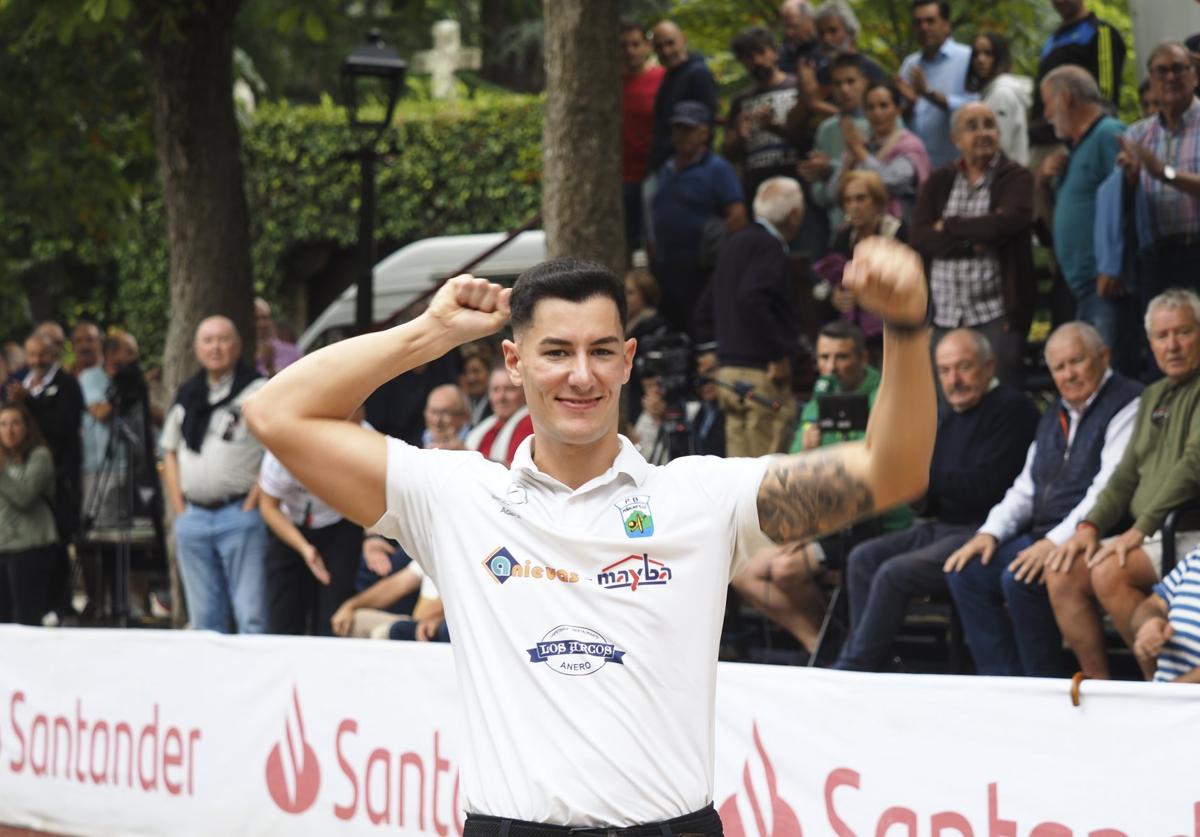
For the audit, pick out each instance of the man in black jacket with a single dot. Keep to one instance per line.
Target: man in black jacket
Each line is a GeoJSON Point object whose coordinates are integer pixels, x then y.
{"type": "Point", "coordinates": [56, 403]}
{"type": "Point", "coordinates": [754, 320]}
{"type": "Point", "coordinates": [688, 79]}
{"type": "Point", "coordinates": [983, 431]}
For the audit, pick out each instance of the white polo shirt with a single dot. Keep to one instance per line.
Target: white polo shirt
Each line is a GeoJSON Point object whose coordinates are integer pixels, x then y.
{"type": "Point", "coordinates": [585, 622]}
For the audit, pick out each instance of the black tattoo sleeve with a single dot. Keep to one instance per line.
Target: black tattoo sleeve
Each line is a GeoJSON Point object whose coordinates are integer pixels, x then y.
{"type": "Point", "coordinates": [808, 495]}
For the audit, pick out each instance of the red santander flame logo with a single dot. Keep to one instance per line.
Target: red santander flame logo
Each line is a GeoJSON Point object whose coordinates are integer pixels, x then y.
{"type": "Point", "coordinates": [783, 820]}
{"type": "Point", "coordinates": [293, 775]}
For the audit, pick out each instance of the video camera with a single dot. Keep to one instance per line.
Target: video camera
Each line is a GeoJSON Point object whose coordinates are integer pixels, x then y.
{"type": "Point", "coordinates": [127, 388]}
{"type": "Point", "coordinates": [669, 359]}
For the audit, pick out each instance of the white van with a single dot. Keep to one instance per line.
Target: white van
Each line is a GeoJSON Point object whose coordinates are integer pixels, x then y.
{"type": "Point", "coordinates": [406, 275]}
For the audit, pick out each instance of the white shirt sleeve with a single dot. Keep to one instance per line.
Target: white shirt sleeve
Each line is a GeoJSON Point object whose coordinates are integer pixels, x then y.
{"type": "Point", "coordinates": [1116, 438]}
{"type": "Point", "coordinates": [274, 479]}
{"type": "Point", "coordinates": [414, 490]}
{"type": "Point", "coordinates": [1013, 513]}
{"type": "Point", "coordinates": [172, 432]}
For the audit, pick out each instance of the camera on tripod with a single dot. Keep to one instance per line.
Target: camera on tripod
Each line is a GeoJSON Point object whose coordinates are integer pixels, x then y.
{"type": "Point", "coordinates": [127, 389]}
{"type": "Point", "coordinates": [669, 359]}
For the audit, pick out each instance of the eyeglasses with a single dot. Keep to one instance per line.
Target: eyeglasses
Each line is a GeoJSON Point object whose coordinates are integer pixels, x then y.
{"type": "Point", "coordinates": [1164, 70]}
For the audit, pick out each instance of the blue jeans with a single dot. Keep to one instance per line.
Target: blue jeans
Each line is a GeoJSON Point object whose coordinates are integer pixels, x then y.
{"type": "Point", "coordinates": [1009, 624]}
{"type": "Point", "coordinates": [222, 561]}
{"type": "Point", "coordinates": [1119, 324]}
{"type": "Point", "coordinates": [882, 575]}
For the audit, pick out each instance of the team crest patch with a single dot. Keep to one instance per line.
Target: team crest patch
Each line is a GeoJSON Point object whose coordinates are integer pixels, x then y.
{"type": "Point", "coordinates": [636, 517]}
{"type": "Point", "coordinates": [575, 651]}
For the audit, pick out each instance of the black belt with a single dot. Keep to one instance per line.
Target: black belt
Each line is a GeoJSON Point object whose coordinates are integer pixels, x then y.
{"type": "Point", "coordinates": [216, 504]}
{"type": "Point", "coordinates": [704, 822]}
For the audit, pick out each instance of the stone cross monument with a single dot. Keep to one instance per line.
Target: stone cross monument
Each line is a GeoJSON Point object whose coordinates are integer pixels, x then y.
{"type": "Point", "coordinates": [447, 56]}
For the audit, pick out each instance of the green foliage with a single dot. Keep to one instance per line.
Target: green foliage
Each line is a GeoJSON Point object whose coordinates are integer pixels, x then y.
{"type": "Point", "coordinates": [445, 169]}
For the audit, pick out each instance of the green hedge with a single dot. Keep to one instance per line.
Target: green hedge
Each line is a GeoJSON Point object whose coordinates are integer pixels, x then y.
{"type": "Point", "coordinates": [446, 168]}
{"type": "Point", "coordinates": [472, 166]}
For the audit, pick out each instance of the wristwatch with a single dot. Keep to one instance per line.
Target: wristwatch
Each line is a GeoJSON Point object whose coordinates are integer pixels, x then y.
{"type": "Point", "coordinates": [1169, 174]}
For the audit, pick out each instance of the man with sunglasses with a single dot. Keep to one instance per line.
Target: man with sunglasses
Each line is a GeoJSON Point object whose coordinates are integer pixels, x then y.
{"type": "Point", "coordinates": [1156, 474]}
{"type": "Point", "coordinates": [1161, 159]}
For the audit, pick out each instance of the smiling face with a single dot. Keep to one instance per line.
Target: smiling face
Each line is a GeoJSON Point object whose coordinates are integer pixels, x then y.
{"type": "Point", "coordinates": [505, 396]}
{"type": "Point", "coordinates": [669, 44]}
{"type": "Point", "coordinates": [572, 360]}
{"type": "Point", "coordinates": [881, 112]}
{"type": "Point", "coordinates": [1172, 79]}
{"type": "Point", "coordinates": [635, 49]}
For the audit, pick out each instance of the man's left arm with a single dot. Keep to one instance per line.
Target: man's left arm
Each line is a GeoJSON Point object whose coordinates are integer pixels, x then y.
{"type": "Point", "coordinates": [804, 495]}
{"type": "Point", "coordinates": [1013, 212]}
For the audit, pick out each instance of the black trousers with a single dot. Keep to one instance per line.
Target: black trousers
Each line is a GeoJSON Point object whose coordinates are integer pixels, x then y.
{"type": "Point", "coordinates": [296, 602]}
{"type": "Point", "coordinates": [704, 822]}
{"type": "Point", "coordinates": [24, 579]}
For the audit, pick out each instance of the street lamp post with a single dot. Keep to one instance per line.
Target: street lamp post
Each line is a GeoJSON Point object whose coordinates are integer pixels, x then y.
{"type": "Point", "coordinates": [371, 73]}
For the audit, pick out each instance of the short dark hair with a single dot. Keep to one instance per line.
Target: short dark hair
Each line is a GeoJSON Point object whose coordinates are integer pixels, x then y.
{"type": "Point", "coordinates": [891, 89]}
{"type": "Point", "coordinates": [848, 59]}
{"type": "Point", "coordinates": [1002, 60]}
{"type": "Point", "coordinates": [844, 330]}
{"type": "Point", "coordinates": [574, 280]}
{"type": "Point", "coordinates": [628, 24]}
{"type": "Point", "coordinates": [943, 6]}
{"type": "Point", "coordinates": [751, 40]}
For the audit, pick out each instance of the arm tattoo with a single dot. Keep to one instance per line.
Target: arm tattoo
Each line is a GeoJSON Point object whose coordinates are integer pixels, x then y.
{"type": "Point", "coordinates": [808, 495]}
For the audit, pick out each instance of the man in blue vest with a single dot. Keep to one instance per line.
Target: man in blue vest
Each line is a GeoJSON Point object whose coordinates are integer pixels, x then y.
{"type": "Point", "coordinates": [1002, 597]}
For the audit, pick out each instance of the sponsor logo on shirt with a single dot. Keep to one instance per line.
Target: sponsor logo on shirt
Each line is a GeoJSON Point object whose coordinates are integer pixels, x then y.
{"type": "Point", "coordinates": [632, 572]}
{"type": "Point", "coordinates": [575, 651]}
{"type": "Point", "coordinates": [636, 517]}
{"type": "Point", "coordinates": [502, 566]}
{"type": "Point", "coordinates": [514, 496]}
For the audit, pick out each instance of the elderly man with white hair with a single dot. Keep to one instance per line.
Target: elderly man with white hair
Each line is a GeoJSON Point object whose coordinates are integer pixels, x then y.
{"type": "Point", "coordinates": [210, 477]}
{"type": "Point", "coordinates": [972, 223]}
{"type": "Point", "coordinates": [1002, 597]}
{"type": "Point", "coordinates": [1156, 474]}
{"type": "Point", "coordinates": [754, 320]}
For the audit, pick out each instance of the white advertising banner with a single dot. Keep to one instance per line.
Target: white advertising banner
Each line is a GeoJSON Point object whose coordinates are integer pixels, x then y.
{"type": "Point", "coordinates": [181, 733]}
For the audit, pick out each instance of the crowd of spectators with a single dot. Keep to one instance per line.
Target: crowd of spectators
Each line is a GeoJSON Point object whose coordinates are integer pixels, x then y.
{"type": "Point", "coordinates": [1036, 524]}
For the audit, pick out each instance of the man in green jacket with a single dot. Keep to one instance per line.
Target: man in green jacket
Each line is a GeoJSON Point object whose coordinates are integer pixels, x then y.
{"type": "Point", "coordinates": [781, 582]}
{"type": "Point", "coordinates": [1157, 473]}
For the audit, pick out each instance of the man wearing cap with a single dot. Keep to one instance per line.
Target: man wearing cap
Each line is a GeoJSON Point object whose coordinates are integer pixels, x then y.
{"type": "Point", "coordinates": [695, 186]}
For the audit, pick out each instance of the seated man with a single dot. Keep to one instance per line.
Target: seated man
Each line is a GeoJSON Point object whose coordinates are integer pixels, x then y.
{"type": "Point", "coordinates": [781, 582]}
{"type": "Point", "coordinates": [1079, 442]}
{"type": "Point", "coordinates": [498, 435]}
{"type": "Point", "coordinates": [1156, 474]}
{"type": "Point", "coordinates": [1166, 637]}
{"type": "Point", "coordinates": [983, 430]}
{"type": "Point", "coordinates": [367, 613]}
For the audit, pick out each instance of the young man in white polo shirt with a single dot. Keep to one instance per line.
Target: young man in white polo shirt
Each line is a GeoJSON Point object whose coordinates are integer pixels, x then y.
{"type": "Point", "coordinates": [585, 588]}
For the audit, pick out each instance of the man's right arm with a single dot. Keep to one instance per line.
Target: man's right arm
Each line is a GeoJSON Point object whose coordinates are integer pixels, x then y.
{"type": "Point", "coordinates": [171, 482]}
{"type": "Point", "coordinates": [805, 495]}
{"type": "Point", "coordinates": [300, 414]}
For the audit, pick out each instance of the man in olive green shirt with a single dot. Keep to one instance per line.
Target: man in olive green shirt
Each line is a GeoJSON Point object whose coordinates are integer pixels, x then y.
{"type": "Point", "coordinates": [781, 582]}
{"type": "Point", "coordinates": [1157, 473]}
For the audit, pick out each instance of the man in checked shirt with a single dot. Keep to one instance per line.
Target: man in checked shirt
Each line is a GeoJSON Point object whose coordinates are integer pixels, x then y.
{"type": "Point", "coordinates": [972, 223]}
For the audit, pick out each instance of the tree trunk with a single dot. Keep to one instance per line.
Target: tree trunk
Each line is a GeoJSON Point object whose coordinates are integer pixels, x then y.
{"type": "Point", "coordinates": [189, 51]}
{"type": "Point", "coordinates": [581, 138]}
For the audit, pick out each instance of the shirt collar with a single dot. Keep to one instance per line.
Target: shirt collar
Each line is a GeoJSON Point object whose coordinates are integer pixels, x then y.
{"type": "Point", "coordinates": [942, 51]}
{"type": "Point", "coordinates": [1190, 115]}
{"type": "Point", "coordinates": [627, 462]}
{"type": "Point", "coordinates": [1108, 373]}
{"type": "Point", "coordinates": [773, 230]}
{"type": "Point", "coordinates": [49, 376]}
